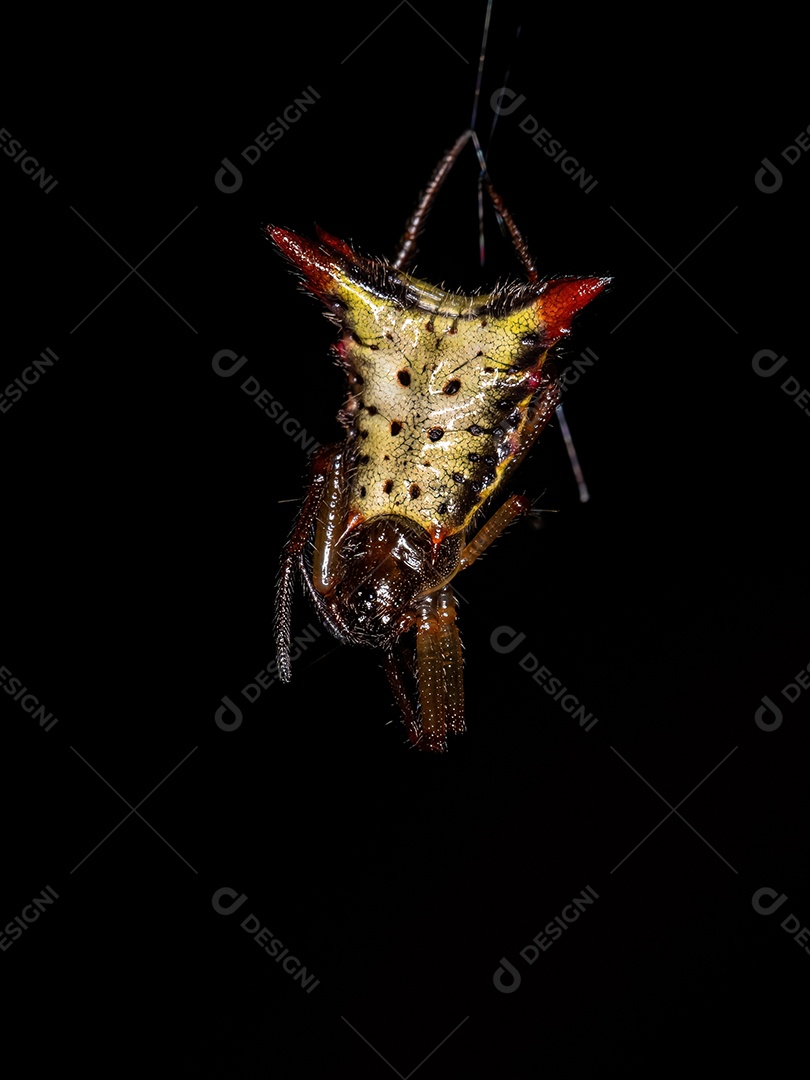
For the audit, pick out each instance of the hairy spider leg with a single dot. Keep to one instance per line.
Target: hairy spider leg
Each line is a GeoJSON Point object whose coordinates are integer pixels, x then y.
{"type": "Point", "coordinates": [439, 660]}
{"type": "Point", "coordinates": [439, 670]}
{"type": "Point", "coordinates": [416, 222]}
{"type": "Point", "coordinates": [515, 506]}
{"type": "Point", "coordinates": [291, 561]}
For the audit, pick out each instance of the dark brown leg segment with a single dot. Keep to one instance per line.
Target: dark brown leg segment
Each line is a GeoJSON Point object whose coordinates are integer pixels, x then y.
{"type": "Point", "coordinates": [407, 245]}
{"type": "Point", "coordinates": [293, 550]}
{"type": "Point", "coordinates": [416, 223]}
{"type": "Point", "coordinates": [518, 241]}
{"type": "Point", "coordinates": [331, 521]}
{"type": "Point", "coordinates": [395, 669]}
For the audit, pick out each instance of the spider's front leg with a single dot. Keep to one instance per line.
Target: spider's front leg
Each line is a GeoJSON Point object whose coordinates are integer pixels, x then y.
{"type": "Point", "coordinates": [439, 674]}
{"type": "Point", "coordinates": [438, 656]}
{"type": "Point", "coordinates": [323, 505]}
{"type": "Point", "coordinates": [436, 669]}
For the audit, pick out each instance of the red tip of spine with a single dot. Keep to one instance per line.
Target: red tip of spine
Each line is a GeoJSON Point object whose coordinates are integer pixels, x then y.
{"type": "Point", "coordinates": [318, 265]}
{"type": "Point", "coordinates": [562, 299]}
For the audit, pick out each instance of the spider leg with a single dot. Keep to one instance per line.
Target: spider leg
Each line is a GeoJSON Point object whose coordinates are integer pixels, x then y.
{"type": "Point", "coordinates": [439, 670]}
{"type": "Point", "coordinates": [416, 222]}
{"type": "Point", "coordinates": [452, 660]}
{"type": "Point", "coordinates": [395, 665]}
{"type": "Point", "coordinates": [515, 506]}
{"type": "Point", "coordinates": [291, 560]}
{"type": "Point", "coordinates": [515, 235]}
{"type": "Point", "coordinates": [330, 523]}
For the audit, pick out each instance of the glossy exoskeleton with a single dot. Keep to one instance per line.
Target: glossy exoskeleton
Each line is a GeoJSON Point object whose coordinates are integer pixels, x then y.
{"type": "Point", "coordinates": [447, 393]}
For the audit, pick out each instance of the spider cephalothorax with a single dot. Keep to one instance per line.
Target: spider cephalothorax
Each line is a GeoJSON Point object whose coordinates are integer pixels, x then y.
{"type": "Point", "coordinates": [447, 393]}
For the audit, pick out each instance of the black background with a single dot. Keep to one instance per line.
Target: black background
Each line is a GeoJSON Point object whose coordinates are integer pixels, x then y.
{"type": "Point", "coordinates": [146, 500]}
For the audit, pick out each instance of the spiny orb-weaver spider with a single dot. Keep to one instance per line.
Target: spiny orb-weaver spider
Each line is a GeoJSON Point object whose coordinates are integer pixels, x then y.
{"type": "Point", "coordinates": [447, 394]}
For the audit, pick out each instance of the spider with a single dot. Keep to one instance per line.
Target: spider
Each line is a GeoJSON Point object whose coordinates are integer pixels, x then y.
{"type": "Point", "coordinates": [447, 394]}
